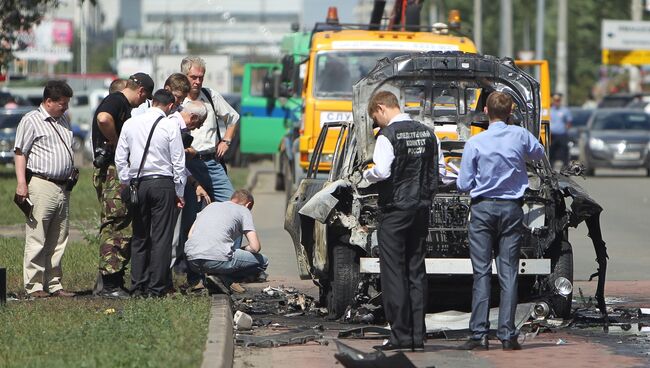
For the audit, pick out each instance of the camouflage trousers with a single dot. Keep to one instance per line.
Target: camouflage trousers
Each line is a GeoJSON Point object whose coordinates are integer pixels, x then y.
{"type": "Point", "coordinates": [115, 229]}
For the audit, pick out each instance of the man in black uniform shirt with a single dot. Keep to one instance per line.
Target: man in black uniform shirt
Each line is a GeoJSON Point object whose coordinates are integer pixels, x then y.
{"type": "Point", "coordinates": [407, 174]}
{"type": "Point", "coordinates": [115, 228]}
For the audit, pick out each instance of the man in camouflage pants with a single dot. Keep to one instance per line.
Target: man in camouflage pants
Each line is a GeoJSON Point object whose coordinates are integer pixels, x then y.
{"type": "Point", "coordinates": [115, 229]}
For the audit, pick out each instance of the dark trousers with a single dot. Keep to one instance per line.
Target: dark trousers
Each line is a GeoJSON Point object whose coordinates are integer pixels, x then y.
{"type": "Point", "coordinates": [401, 237]}
{"type": "Point", "coordinates": [495, 225]}
{"type": "Point", "coordinates": [559, 149]}
{"type": "Point", "coordinates": [153, 231]}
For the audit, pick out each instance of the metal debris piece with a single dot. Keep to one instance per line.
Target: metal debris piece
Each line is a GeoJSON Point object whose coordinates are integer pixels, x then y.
{"type": "Point", "coordinates": [296, 314]}
{"type": "Point", "coordinates": [365, 332]}
{"type": "Point", "coordinates": [366, 313]}
{"type": "Point", "coordinates": [560, 342]}
{"type": "Point", "coordinates": [293, 337]}
{"type": "Point", "coordinates": [352, 358]}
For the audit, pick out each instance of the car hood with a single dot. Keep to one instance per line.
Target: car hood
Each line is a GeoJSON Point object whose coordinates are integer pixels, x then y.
{"type": "Point", "coordinates": [452, 70]}
{"type": "Point", "coordinates": [630, 136]}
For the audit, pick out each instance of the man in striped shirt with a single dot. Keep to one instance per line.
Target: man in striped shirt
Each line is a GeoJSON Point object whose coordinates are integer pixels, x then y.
{"type": "Point", "coordinates": [44, 163]}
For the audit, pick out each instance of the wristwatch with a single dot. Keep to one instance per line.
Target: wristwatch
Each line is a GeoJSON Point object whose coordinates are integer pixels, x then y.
{"type": "Point", "coordinates": [226, 141]}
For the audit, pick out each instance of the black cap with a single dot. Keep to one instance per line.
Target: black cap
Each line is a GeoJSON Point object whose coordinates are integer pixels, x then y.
{"type": "Point", "coordinates": [144, 81]}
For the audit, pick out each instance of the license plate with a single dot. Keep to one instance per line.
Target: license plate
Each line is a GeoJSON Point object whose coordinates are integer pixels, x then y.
{"type": "Point", "coordinates": [627, 156]}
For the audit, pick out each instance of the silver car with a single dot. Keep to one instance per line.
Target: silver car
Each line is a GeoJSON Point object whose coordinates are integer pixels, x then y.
{"type": "Point", "coordinates": [616, 138]}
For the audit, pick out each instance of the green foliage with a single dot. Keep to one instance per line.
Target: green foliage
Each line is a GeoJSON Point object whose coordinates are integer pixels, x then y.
{"type": "Point", "coordinates": [585, 21]}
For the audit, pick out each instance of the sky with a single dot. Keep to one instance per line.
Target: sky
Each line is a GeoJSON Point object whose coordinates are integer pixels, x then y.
{"type": "Point", "coordinates": [316, 11]}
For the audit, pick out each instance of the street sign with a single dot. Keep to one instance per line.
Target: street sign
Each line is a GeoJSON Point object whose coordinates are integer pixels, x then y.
{"type": "Point", "coordinates": [618, 57]}
{"type": "Point", "coordinates": [625, 35]}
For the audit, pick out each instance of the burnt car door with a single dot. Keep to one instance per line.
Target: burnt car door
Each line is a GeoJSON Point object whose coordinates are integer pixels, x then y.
{"type": "Point", "coordinates": [308, 235]}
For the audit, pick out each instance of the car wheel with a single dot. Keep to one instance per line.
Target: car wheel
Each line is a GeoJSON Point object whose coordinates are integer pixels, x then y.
{"type": "Point", "coordinates": [647, 172]}
{"type": "Point", "coordinates": [344, 279]}
{"type": "Point", "coordinates": [561, 266]}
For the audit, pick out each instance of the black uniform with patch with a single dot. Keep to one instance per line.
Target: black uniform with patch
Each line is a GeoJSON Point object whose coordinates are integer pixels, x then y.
{"type": "Point", "coordinates": [404, 199]}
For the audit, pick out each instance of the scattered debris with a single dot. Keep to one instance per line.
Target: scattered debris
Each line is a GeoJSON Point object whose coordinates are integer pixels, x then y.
{"type": "Point", "coordinates": [242, 321]}
{"type": "Point", "coordinates": [365, 332]}
{"type": "Point", "coordinates": [352, 358]}
{"type": "Point", "coordinates": [109, 311]}
{"type": "Point", "coordinates": [293, 337]}
{"type": "Point", "coordinates": [561, 342]}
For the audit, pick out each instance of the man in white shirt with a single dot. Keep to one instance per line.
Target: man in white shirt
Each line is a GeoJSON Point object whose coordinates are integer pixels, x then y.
{"type": "Point", "coordinates": [161, 183]}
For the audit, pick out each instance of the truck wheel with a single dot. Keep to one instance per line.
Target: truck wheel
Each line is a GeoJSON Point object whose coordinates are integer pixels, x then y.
{"type": "Point", "coordinates": [344, 279]}
{"type": "Point", "coordinates": [561, 266]}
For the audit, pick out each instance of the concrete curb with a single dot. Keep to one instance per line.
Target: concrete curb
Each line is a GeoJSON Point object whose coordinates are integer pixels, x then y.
{"type": "Point", "coordinates": [220, 345]}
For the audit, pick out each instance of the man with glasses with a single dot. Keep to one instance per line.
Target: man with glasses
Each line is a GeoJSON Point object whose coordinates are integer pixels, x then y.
{"type": "Point", "coordinates": [115, 228]}
{"type": "Point", "coordinates": [45, 171]}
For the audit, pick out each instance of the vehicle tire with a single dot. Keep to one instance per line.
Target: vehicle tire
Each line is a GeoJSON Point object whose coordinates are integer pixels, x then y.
{"type": "Point", "coordinates": [647, 172]}
{"type": "Point", "coordinates": [561, 266]}
{"type": "Point", "coordinates": [344, 279]}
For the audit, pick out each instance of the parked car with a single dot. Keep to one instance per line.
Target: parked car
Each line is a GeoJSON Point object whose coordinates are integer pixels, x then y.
{"type": "Point", "coordinates": [579, 120]}
{"type": "Point", "coordinates": [9, 119]}
{"type": "Point", "coordinates": [619, 100]}
{"type": "Point", "coordinates": [333, 220]}
{"type": "Point", "coordinates": [616, 138]}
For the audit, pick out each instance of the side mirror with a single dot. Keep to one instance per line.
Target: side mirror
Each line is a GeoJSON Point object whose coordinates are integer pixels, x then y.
{"type": "Point", "coordinates": [288, 66]}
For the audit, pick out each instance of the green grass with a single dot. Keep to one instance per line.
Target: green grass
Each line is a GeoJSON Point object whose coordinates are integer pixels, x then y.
{"type": "Point", "coordinates": [84, 331]}
{"type": "Point", "coordinates": [84, 206]}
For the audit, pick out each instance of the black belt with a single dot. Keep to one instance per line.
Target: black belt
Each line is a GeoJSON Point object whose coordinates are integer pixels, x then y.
{"type": "Point", "coordinates": [51, 180]}
{"type": "Point", "coordinates": [205, 156]}
{"type": "Point", "coordinates": [476, 200]}
{"type": "Point", "coordinates": [154, 177]}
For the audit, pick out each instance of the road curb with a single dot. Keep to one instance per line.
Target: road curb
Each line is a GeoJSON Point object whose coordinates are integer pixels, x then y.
{"type": "Point", "coordinates": [253, 175]}
{"type": "Point", "coordinates": [219, 346]}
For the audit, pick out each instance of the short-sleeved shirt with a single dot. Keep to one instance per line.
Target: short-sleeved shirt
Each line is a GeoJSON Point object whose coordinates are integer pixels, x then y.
{"type": "Point", "coordinates": [46, 143]}
{"type": "Point", "coordinates": [560, 119]}
{"type": "Point", "coordinates": [119, 108]}
{"type": "Point", "coordinates": [205, 137]}
{"type": "Point", "coordinates": [215, 230]}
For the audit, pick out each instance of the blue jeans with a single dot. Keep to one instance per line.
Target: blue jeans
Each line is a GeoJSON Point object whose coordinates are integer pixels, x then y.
{"type": "Point", "coordinates": [242, 265]}
{"type": "Point", "coordinates": [212, 177]}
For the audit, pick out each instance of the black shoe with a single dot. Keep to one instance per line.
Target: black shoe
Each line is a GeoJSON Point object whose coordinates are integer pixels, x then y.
{"type": "Point", "coordinates": [215, 285]}
{"type": "Point", "coordinates": [472, 344]}
{"type": "Point", "coordinates": [392, 347]}
{"type": "Point", "coordinates": [117, 293]}
{"type": "Point", "coordinates": [511, 344]}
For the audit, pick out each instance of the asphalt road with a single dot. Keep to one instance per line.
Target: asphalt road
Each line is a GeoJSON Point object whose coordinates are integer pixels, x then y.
{"type": "Point", "coordinates": [625, 196]}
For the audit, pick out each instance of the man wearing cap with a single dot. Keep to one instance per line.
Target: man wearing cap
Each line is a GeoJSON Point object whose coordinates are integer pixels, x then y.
{"type": "Point", "coordinates": [115, 228]}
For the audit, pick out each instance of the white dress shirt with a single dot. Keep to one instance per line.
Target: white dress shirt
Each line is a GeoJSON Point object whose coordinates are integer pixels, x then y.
{"type": "Point", "coordinates": [205, 137]}
{"type": "Point", "coordinates": [166, 154]}
{"type": "Point", "coordinates": [383, 156]}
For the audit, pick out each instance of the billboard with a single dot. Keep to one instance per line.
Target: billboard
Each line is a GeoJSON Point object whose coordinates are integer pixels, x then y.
{"type": "Point", "coordinates": [50, 41]}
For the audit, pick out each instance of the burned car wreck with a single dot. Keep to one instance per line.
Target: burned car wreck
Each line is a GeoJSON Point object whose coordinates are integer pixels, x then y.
{"type": "Point", "coordinates": [332, 219]}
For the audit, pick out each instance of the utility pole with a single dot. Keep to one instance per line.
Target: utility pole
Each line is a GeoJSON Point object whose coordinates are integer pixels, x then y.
{"type": "Point", "coordinates": [83, 40]}
{"type": "Point", "coordinates": [539, 31]}
{"type": "Point", "coordinates": [478, 24]}
{"type": "Point", "coordinates": [634, 83]}
{"type": "Point", "coordinates": [561, 70]}
{"type": "Point", "coordinates": [505, 35]}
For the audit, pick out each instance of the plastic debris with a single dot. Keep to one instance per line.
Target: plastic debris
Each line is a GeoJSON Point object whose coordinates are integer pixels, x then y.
{"type": "Point", "coordinates": [242, 321]}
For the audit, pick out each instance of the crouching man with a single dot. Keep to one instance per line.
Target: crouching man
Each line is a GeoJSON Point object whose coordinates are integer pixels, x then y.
{"type": "Point", "coordinates": [210, 247]}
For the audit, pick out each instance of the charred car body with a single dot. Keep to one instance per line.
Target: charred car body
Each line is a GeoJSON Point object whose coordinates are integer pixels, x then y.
{"type": "Point", "coordinates": [332, 220]}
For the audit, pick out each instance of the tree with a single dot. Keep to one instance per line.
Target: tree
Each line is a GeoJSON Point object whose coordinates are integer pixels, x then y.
{"type": "Point", "coordinates": [20, 16]}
